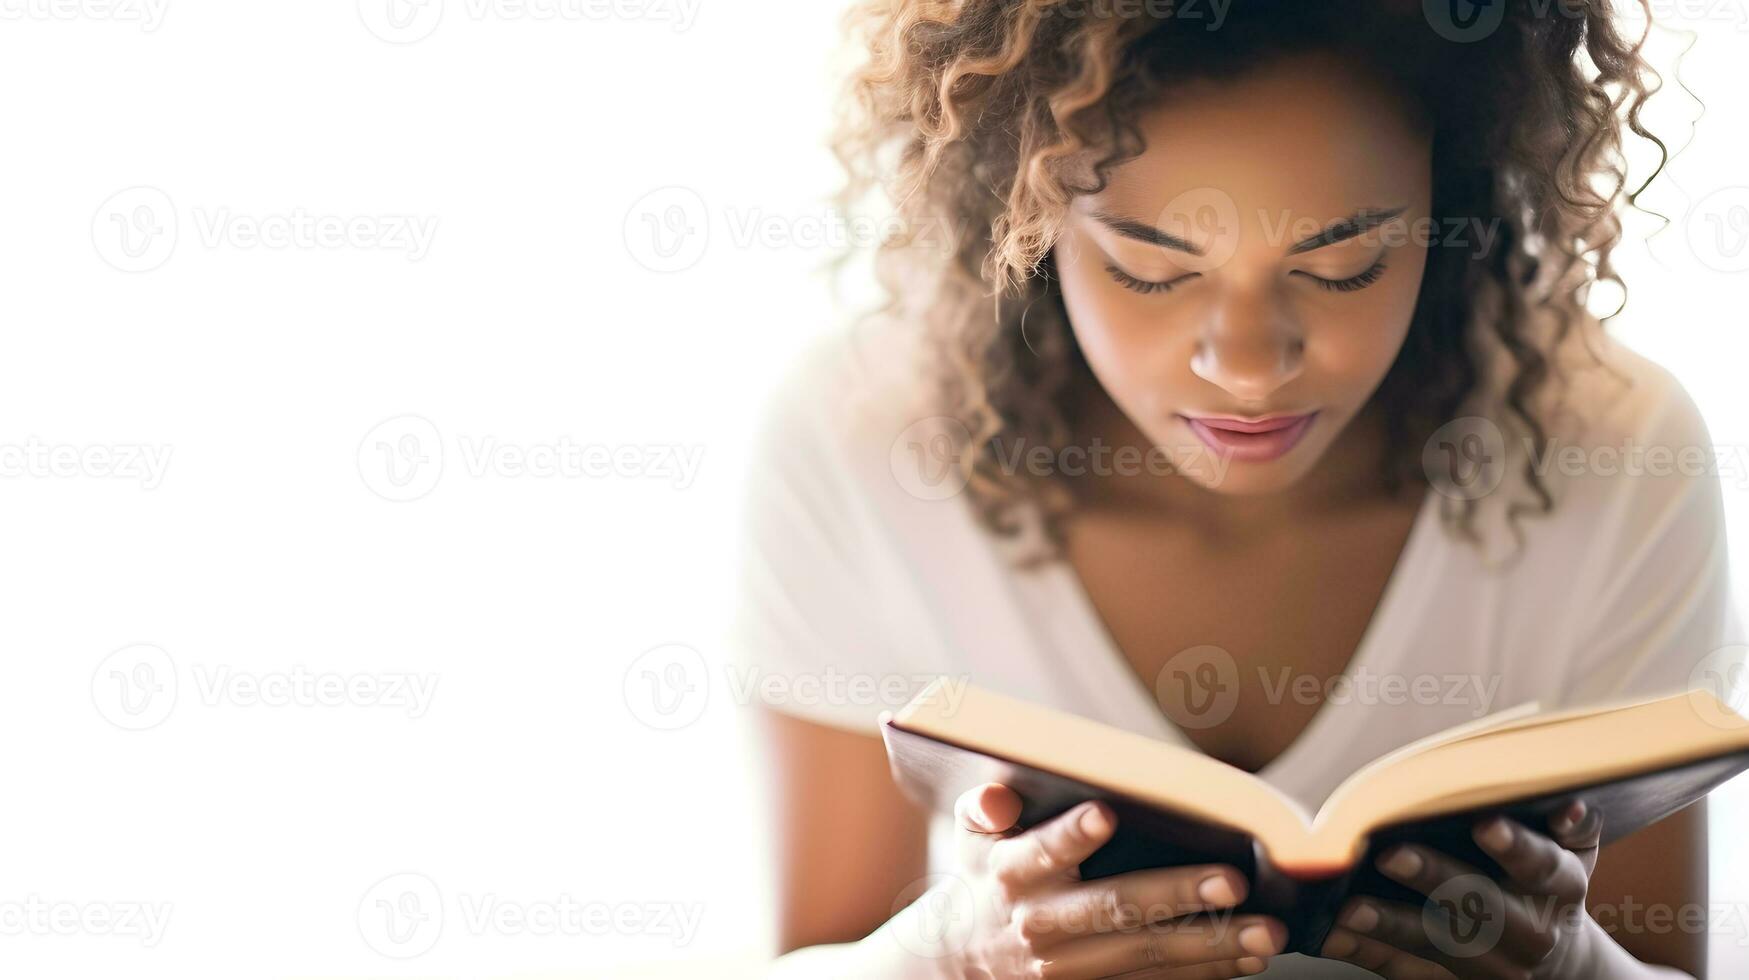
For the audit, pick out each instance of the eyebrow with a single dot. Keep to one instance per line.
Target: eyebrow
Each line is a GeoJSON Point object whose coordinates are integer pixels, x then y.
{"type": "Point", "coordinates": [1340, 230]}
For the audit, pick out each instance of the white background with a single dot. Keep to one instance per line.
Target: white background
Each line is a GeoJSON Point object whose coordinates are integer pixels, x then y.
{"type": "Point", "coordinates": [542, 155]}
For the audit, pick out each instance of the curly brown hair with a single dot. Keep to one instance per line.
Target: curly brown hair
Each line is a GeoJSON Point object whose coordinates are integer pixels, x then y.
{"type": "Point", "coordinates": [981, 119]}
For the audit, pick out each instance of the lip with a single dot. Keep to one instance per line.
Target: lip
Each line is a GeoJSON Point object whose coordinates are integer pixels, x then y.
{"type": "Point", "coordinates": [1251, 440]}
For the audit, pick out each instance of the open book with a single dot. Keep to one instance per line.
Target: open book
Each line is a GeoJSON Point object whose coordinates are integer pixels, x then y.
{"type": "Point", "coordinates": [1636, 762]}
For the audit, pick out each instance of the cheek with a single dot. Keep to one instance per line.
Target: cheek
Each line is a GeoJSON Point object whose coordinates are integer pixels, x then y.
{"type": "Point", "coordinates": [1121, 333]}
{"type": "Point", "coordinates": [1357, 336]}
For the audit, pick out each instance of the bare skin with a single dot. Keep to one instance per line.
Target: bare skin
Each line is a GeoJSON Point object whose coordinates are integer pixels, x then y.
{"type": "Point", "coordinates": [1319, 582]}
{"type": "Point", "coordinates": [1281, 562]}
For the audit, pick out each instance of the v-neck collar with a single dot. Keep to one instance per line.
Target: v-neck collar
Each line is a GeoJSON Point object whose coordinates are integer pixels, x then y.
{"type": "Point", "coordinates": [1116, 686]}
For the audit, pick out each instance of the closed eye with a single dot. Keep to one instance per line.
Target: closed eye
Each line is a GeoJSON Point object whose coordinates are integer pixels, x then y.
{"type": "Point", "coordinates": [1350, 284]}
{"type": "Point", "coordinates": [1128, 281]}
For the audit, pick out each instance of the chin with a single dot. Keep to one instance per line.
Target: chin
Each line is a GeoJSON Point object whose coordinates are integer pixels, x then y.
{"type": "Point", "coordinates": [1243, 480]}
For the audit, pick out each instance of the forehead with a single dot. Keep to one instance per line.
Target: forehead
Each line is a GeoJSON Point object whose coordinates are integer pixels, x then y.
{"type": "Point", "coordinates": [1309, 134]}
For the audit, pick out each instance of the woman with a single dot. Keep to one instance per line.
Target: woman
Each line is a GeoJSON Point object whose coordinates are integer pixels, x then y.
{"type": "Point", "coordinates": [1252, 335]}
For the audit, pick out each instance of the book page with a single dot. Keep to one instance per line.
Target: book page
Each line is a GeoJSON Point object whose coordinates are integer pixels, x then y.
{"type": "Point", "coordinates": [1175, 779]}
{"type": "Point", "coordinates": [1502, 720]}
{"type": "Point", "coordinates": [1528, 757]}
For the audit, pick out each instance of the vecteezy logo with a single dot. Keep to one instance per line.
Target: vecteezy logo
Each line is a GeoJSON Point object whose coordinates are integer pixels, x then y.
{"type": "Point", "coordinates": [401, 916]}
{"type": "Point", "coordinates": [1723, 674]}
{"type": "Point", "coordinates": [1199, 687]}
{"type": "Point", "coordinates": [942, 911]}
{"type": "Point", "coordinates": [135, 229]}
{"type": "Point", "coordinates": [401, 459]}
{"type": "Point", "coordinates": [1465, 917]}
{"type": "Point", "coordinates": [925, 458]}
{"type": "Point", "coordinates": [1465, 458]}
{"type": "Point", "coordinates": [667, 229]}
{"type": "Point", "coordinates": [1718, 230]}
{"type": "Point", "coordinates": [1207, 217]}
{"type": "Point", "coordinates": [401, 21]}
{"type": "Point", "coordinates": [1464, 21]}
{"type": "Point", "coordinates": [667, 687]}
{"type": "Point", "coordinates": [135, 687]}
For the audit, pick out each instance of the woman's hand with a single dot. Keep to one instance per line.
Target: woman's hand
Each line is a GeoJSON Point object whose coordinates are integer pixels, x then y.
{"type": "Point", "coordinates": [1032, 915]}
{"type": "Point", "coordinates": [1531, 925]}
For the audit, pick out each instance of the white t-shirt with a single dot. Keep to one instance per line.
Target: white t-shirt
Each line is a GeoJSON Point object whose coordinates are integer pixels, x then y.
{"type": "Point", "coordinates": [864, 577]}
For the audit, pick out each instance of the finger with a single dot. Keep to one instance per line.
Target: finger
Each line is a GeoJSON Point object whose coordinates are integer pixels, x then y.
{"type": "Point", "coordinates": [988, 809]}
{"type": "Point", "coordinates": [1458, 946]}
{"type": "Point", "coordinates": [1053, 850]}
{"type": "Point", "coordinates": [1474, 903]}
{"type": "Point", "coordinates": [1580, 829]}
{"type": "Point", "coordinates": [984, 815]}
{"type": "Point", "coordinates": [1132, 900]}
{"type": "Point", "coordinates": [1381, 958]}
{"type": "Point", "coordinates": [1181, 942]}
{"type": "Point", "coordinates": [1534, 864]}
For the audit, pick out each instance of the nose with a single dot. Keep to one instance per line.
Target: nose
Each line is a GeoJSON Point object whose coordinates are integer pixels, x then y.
{"type": "Point", "coordinates": [1251, 349]}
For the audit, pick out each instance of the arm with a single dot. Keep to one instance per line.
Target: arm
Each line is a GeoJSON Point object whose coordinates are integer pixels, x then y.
{"type": "Point", "coordinates": [1648, 888]}
{"type": "Point", "coordinates": [831, 896]}
{"type": "Point", "coordinates": [829, 892]}
{"type": "Point", "coordinates": [1661, 609]}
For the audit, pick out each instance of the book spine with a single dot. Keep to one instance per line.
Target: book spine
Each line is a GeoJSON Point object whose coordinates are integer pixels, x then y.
{"type": "Point", "coordinates": [1308, 907]}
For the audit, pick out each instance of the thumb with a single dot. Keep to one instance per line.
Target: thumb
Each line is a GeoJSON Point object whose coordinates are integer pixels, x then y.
{"type": "Point", "coordinates": [988, 809]}
{"type": "Point", "coordinates": [1579, 829]}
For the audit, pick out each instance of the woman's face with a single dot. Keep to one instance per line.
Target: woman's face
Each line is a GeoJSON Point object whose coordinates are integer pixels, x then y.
{"type": "Point", "coordinates": [1259, 263]}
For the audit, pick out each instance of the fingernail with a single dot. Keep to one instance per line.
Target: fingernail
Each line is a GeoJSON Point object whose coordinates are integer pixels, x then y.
{"type": "Point", "coordinates": [1094, 822]}
{"type": "Point", "coordinates": [1495, 836]}
{"type": "Point", "coordinates": [1249, 965]}
{"type": "Point", "coordinates": [1217, 890]}
{"type": "Point", "coordinates": [1402, 863]}
{"type": "Point", "coordinates": [1258, 939]}
{"type": "Point", "coordinates": [1362, 918]}
{"type": "Point", "coordinates": [1340, 944]}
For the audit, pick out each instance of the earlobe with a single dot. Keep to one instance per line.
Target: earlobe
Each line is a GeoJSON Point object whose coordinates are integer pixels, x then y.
{"type": "Point", "coordinates": [1023, 337]}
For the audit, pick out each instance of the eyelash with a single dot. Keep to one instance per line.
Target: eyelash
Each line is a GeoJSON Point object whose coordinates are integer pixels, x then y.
{"type": "Point", "coordinates": [1348, 285]}
{"type": "Point", "coordinates": [1352, 283]}
{"type": "Point", "coordinates": [1128, 281]}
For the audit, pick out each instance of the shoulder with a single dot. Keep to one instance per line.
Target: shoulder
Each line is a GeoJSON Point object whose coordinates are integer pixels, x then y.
{"type": "Point", "coordinates": [1628, 450]}
{"type": "Point", "coordinates": [841, 394]}
{"type": "Point", "coordinates": [1618, 439]}
{"type": "Point", "coordinates": [1624, 459]}
{"type": "Point", "coordinates": [1621, 588]}
{"type": "Point", "coordinates": [851, 416]}
{"type": "Point", "coordinates": [1615, 396]}
{"type": "Point", "coordinates": [840, 563]}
